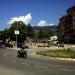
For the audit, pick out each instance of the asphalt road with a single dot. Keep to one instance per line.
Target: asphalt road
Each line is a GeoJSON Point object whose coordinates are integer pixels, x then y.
{"type": "Point", "coordinates": [33, 65]}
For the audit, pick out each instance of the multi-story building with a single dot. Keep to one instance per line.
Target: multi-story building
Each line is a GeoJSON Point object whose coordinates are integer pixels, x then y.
{"type": "Point", "coordinates": [66, 26]}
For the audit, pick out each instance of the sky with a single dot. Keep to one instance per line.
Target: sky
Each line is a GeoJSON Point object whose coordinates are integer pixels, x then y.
{"type": "Point", "coordinates": [35, 12]}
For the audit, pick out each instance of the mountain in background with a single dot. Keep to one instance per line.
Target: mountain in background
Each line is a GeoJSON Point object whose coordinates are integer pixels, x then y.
{"type": "Point", "coordinates": [37, 28]}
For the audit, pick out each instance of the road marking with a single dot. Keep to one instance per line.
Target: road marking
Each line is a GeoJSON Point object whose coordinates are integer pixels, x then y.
{"type": "Point", "coordinates": [13, 60]}
{"type": "Point", "coordinates": [41, 66]}
{"type": "Point", "coordinates": [4, 55]}
{"type": "Point", "coordinates": [24, 63]}
{"type": "Point", "coordinates": [66, 70]}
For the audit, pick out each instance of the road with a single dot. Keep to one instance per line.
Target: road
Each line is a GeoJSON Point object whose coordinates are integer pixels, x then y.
{"type": "Point", "coordinates": [33, 65]}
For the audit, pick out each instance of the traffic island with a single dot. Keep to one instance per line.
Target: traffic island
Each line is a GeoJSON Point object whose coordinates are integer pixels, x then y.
{"type": "Point", "coordinates": [58, 53]}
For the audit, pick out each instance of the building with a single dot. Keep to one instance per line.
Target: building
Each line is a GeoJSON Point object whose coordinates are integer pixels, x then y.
{"type": "Point", "coordinates": [66, 26]}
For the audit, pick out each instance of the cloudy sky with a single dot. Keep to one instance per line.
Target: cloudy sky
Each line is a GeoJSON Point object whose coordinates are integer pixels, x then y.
{"type": "Point", "coordinates": [36, 12]}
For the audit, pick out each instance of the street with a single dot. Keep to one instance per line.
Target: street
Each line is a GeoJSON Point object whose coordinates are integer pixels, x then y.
{"type": "Point", "coordinates": [33, 65]}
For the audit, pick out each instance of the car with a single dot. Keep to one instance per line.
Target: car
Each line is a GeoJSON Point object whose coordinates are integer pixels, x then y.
{"type": "Point", "coordinates": [2, 45]}
{"type": "Point", "coordinates": [22, 53]}
{"type": "Point", "coordinates": [26, 47]}
{"type": "Point", "coordinates": [54, 42]}
{"type": "Point", "coordinates": [61, 45]}
{"type": "Point", "coordinates": [9, 45]}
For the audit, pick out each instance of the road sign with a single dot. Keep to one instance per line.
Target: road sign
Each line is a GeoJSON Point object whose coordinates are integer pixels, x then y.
{"type": "Point", "coordinates": [16, 31]}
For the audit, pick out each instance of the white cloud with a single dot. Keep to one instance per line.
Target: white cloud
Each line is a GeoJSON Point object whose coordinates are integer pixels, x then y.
{"type": "Point", "coordinates": [42, 23]}
{"type": "Point", "coordinates": [51, 24]}
{"type": "Point", "coordinates": [26, 19]}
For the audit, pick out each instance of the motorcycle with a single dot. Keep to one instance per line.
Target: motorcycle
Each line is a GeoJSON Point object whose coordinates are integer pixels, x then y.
{"type": "Point", "coordinates": [22, 53]}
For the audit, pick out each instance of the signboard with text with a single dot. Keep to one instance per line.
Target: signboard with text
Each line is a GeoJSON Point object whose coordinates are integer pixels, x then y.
{"type": "Point", "coordinates": [16, 31]}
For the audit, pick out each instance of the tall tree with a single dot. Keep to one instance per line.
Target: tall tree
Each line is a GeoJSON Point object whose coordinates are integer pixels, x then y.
{"type": "Point", "coordinates": [22, 30]}
{"type": "Point", "coordinates": [40, 34]}
{"type": "Point", "coordinates": [30, 31]}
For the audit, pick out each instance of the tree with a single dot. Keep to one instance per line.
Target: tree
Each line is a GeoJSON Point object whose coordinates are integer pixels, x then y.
{"type": "Point", "coordinates": [46, 34]}
{"type": "Point", "coordinates": [22, 29]}
{"type": "Point", "coordinates": [3, 34]}
{"type": "Point", "coordinates": [30, 31]}
{"type": "Point", "coordinates": [40, 34]}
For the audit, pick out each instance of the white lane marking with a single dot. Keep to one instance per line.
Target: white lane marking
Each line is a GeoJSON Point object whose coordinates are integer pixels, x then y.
{"type": "Point", "coordinates": [13, 60]}
{"type": "Point", "coordinates": [66, 70]}
{"type": "Point", "coordinates": [4, 55]}
{"type": "Point", "coordinates": [24, 63]}
{"type": "Point", "coordinates": [41, 66]}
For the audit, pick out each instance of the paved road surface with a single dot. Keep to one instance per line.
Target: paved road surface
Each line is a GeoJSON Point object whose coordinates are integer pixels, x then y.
{"type": "Point", "coordinates": [33, 65]}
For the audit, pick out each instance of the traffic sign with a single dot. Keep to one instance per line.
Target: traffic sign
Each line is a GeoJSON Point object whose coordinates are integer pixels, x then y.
{"type": "Point", "coordinates": [16, 31]}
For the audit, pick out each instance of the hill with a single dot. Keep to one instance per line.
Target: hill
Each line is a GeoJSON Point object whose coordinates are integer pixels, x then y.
{"type": "Point", "coordinates": [37, 28]}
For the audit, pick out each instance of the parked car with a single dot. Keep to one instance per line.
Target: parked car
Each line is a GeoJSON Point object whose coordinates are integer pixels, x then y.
{"type": "Point", "coordinates": [2, 45]}
{"type": "Point", "coordinates": [9, 45]}
{"type": "Point", "coordinates": [60, 44]}
{"type": "Point", "coordinates": [54, 42]}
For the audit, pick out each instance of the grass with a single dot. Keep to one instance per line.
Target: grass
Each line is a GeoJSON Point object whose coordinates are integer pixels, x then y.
{"type": "Point", "coordinates": [65, 53]}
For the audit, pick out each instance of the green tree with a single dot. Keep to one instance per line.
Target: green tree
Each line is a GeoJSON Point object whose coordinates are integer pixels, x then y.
{"type": "Point", "coordinates": [30, 31]}
{"type": "Point", "coordinates": [40, 34]}
{"type": "Point", "coordinates": [3, 34]}
{"type": "Point", "coordinates": [46, 34]}
{"type": "Point", "coordinates": [22, 29]}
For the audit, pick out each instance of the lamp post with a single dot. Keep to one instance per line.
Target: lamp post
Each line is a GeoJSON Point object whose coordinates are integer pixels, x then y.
{"type": "Point", "coordinates": [16, 32]}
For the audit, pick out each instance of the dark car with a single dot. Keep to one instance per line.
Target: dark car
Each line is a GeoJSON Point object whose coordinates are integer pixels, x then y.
{"type": "Point", "coordinates": [9, 45]}
{"type": "Point", "coordinates": [22, 53]}
{"type": "Point", "coordinates": [60, 44]}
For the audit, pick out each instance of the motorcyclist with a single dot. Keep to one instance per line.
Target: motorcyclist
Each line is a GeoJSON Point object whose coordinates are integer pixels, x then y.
{"type": "Point", "coordinates": [22, 52]}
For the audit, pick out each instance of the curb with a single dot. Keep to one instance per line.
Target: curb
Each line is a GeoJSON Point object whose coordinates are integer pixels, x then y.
{"type": "Point", "coordinates": [55, 58]}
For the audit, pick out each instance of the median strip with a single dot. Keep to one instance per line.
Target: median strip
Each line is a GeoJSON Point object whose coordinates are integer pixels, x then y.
{"type": "Point", "coordinates": [64, 54]}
